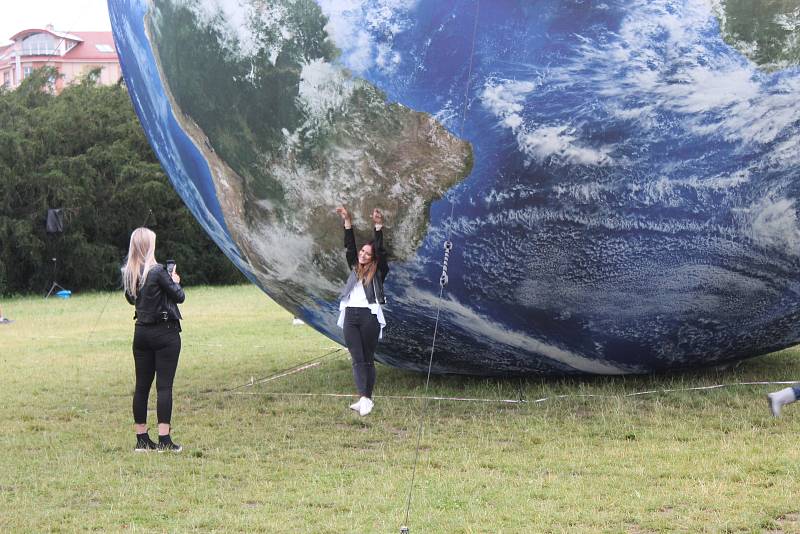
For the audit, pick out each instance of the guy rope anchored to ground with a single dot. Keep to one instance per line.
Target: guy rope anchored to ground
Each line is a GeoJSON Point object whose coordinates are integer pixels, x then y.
{"type": "Point", "coordinates": [443, 279]}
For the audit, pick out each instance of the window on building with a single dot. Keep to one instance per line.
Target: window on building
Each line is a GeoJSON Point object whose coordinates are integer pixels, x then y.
{"type": "Point", "coordinates": [26, 71]}
{"type": "Point", "coordinates": [104, 48]}
{"type": "Point", "coordinates": [6, 79]}
{"type": "Point", "coordinates": [39, 44]}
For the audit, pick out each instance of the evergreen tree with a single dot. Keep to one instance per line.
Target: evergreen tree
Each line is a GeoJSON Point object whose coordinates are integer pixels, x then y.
{"type": "Point", "coordinates": [84, 151]}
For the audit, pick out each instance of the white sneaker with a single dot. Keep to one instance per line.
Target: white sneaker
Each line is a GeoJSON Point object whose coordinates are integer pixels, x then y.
{"type": "Point", "coordinates": [366, 406]}
{"type": "Point", "coordinates": [356, 405]}
{"type": "Point", "coordinates": [779, 399]}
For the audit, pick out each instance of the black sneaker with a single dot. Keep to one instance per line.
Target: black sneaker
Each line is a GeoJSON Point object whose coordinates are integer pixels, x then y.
{"type": "Point", "coordinates": [167, 445]}
{"type": "Point", "coordinates": [145, 444]}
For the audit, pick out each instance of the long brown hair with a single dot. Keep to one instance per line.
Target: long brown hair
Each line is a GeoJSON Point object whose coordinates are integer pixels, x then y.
{"type": "Point", "coordinates": [366, 272]}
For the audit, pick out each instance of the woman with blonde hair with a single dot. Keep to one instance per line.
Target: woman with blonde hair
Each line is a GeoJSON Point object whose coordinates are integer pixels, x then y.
{"type": "Point", "coordinates": [156, 292]}
{"type": "Point", "coordinates": [361, 316]}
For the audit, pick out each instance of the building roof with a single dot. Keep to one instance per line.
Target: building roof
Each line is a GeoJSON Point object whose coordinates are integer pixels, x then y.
{"type": "Point", "coordinates": [61, 35]}
{"type": "Point", "coordinates": [93, 46]}
{"type": "Point", "coordinates": [88, 46]}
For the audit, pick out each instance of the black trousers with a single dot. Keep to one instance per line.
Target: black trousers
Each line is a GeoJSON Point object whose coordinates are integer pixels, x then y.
{"type": "Point", "coordinates": [155, 352]}
{"type": "Point", "coordinates": [361, 331]}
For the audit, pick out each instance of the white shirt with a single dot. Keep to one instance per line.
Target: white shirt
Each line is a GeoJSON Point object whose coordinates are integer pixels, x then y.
{"type": "Point", "coordinates": [358, 299]}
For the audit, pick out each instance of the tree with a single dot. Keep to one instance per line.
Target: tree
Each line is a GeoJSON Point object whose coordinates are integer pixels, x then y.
{"type": "Point", "coordinates": [84, 150]}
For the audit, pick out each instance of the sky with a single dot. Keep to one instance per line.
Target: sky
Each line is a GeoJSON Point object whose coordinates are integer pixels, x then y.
{"type": "Point", "coordinates": [65, 15]}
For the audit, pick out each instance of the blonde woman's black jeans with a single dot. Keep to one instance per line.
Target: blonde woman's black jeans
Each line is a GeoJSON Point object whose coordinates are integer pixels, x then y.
{"type": "Point", "coordinates": [156, 349]}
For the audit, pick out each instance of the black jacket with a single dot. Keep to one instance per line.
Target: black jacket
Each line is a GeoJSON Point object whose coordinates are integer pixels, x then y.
{"type": "Point", "coordinates": [158, 298]}
{"type": "Point", "coordinates": [373, 290]}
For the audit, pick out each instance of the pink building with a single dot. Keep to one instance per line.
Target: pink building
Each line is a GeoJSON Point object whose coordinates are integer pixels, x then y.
{"type": "Point", "coordinates": [73, 54]}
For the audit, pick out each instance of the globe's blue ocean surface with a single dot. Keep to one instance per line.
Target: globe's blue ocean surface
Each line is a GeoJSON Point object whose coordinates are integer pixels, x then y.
{"type": "Point", "coordinates": [618, 179]}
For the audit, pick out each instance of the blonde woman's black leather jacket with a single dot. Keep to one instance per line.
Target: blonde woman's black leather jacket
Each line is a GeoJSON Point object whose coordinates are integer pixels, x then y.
{"type": "Point", "coordinates": [158, 298]}
{"type": "Point", "coordinates": [373, 290]}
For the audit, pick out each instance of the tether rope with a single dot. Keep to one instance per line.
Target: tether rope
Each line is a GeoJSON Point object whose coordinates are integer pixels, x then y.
{"type": "Point", "coordinates": [443, 279]}
{"type": "Point", "coordinates": [519, 400]}
{"type": "Point", "coordinates": [313, 362]}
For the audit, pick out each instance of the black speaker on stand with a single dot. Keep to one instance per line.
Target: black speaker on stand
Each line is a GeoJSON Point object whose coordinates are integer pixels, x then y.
{"type": "Point", "coordinates": [55, 221]}
{"type": "Point", "coordinates": [54, 227]}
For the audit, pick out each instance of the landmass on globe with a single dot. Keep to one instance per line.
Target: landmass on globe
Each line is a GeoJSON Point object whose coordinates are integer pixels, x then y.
{"type": "Point", "coordinates": [290, 135]}
{"type": "Point", "coordinates": [767, 35]}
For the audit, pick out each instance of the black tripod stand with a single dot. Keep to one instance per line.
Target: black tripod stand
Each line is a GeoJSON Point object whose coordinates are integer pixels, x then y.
{"type": "Point", "coordinates": [55, 284]}
{"type": "Point", "coordinates": [54, 225]}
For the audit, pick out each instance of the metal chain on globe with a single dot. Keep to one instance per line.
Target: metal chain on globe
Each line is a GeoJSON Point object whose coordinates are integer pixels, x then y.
{"type": "Point", "coordinates": [448, 246]}
{"type": "Point", "coordinates": [443, 280]}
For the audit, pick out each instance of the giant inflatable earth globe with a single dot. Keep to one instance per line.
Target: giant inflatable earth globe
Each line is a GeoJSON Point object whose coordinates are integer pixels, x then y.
{"type": "Point", "coordinates": [619, 178]}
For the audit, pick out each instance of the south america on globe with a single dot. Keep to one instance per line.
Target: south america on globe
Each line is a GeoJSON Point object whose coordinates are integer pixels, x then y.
{"type": "Point", "coordinates": [619, 179]}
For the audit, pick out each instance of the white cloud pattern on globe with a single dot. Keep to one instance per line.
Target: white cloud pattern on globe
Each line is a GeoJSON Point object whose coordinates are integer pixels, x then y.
{"type": "Point", "coordinates": [622, 176]}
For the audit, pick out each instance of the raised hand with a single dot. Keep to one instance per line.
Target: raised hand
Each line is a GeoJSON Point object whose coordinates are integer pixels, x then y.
{"type": "Point", "coordinates": [345, 215]}
{"type": "Point", "coordinates": [377, 217]}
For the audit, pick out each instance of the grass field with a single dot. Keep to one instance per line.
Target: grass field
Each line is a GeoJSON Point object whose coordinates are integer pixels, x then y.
{"type": "Point", "coordinates": [259, 460]}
